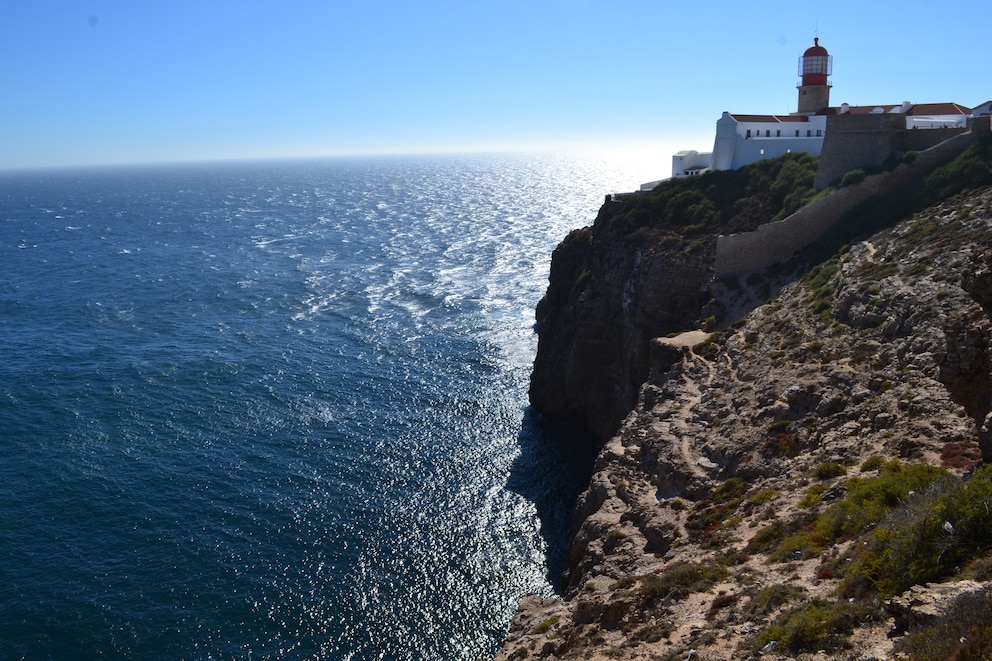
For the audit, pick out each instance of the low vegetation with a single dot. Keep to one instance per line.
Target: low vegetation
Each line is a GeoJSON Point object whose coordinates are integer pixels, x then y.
{"type": "Point", "coordinates": [867, 503]}
{"type": "Point", "coordinates": [964, 633]}
{"type": "Point", "coordinates": [680, 580]}
{"type": "Point", "coordinates": [927, 537]}
{"type": "Point", "coordinates": [711, 513]}
{"type": "Point", "coordinates": [727, 201]}
{"type": "Point", "coordinates": [910, 525]}
{"type": "Point", "coordinates": [972, 169]}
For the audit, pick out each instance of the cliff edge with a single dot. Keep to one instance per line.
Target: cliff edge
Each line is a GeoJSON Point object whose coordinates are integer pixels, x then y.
{"type": "Point", "coordinates": [642, 271]}
{"type": "Point", "coordinates": [809, 482]}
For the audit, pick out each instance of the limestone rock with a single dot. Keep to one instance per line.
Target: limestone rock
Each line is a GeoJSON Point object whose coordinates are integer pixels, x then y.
{"type": "Point", "coordinates": [890, 358]}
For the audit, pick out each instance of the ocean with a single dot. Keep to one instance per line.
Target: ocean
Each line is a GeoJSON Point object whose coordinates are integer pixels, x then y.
{"type": "Point", "coordinates": [278, 410]}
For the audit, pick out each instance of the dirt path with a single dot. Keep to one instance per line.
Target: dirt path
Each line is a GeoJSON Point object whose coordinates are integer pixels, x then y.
{"type": "Point", "coordinates": [687, 339]}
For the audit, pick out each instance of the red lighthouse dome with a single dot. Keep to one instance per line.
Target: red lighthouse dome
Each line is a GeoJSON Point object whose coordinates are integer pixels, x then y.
{"type": "Point", "coordinates": [815, 64]}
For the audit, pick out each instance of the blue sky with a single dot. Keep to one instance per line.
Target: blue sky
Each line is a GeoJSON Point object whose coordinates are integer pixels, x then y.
{"type": "Point", "coordinates": [129, 81]}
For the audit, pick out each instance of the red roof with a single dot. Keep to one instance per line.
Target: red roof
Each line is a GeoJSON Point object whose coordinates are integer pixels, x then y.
{"type": "Point", "coordinates": [938, 109]}
{"type": "Point", "coordinates": [815, 49]}
{"type": "Point", "coordinates": [915, 109]}
{"type": "Point", "coordinates": [856, 110]}
{"type": "Point", "coordinates": [770, 118]}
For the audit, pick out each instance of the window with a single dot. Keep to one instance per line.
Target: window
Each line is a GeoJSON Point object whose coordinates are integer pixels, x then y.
{"type": "Point", "coordinates": [808, 133]}
{"type": "Point", "coordinates": [748, 134]}
{"type": "Point", "coordinates": [778, 133]}
{"type": "Point", "coordinates": [797, 133]}
{"type": "Point", "coordinates": [768, 133]}
{"type": "Point", "coordinates": [819, 132]}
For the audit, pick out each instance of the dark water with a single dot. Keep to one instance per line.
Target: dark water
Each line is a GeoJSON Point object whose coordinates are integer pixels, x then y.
{"type": "Point", "coordinates": [278, 410]}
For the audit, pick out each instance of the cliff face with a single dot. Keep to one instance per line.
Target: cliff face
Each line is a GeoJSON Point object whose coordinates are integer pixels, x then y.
{"type": "Point", "coordinates": [723, 519]}
{"type": "Point", "coordinates": [613, 287]}
{"type": "Point", "coordinates": [642, 271]}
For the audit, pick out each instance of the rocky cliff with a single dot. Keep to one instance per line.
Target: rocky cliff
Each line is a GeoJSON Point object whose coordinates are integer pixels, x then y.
{"type": "Point", "coordinates": [809, 481]}
{"type": "Point", "coordinates": [602, 308]}
{"type": "Point", "coordinates": [642, 271]}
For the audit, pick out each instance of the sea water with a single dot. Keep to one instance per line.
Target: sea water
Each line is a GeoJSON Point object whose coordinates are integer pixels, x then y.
{"type": "Point", "coordinates": [278, 409]}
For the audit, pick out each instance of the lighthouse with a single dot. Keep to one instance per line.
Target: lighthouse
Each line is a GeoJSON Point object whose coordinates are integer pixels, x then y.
{"type": "Point", "coordinates": [814, 90]}
{"type": "Point", "coordinates": [856, 133]}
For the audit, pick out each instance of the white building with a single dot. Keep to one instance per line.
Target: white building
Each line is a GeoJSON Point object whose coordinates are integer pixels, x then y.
{"type": "Point", "coordinates": [743, 139]}
{"type": "Point", "coordinates": [690, 162]}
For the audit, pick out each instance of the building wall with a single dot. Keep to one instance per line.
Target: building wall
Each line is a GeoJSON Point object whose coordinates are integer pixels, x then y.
{"type": "Point", "coordinates": [689, 160]}
{"type": "Point", "coordinates": [856, 141]}
{"type": "Point", "coordinates": [865, 141]}
{"type": "Point", "coordinates": [920, 139]}
{"type": "Point", "coordinates": [807, 127]}
{"type": "Point", "coordinates": [813, 98]}
{"type": "Point", "coordinates": [775, 242]}
{"type": "Point", "coordinates": [726, 140]}
{"type": "Point", "coordinates": [734, 147]}
{"type": "Point", "coordinates": [755, 149]}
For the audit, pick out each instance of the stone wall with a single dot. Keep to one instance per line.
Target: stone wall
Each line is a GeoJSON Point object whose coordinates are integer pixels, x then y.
{"type": "Point", "coordinates": [775, 242]}
{"type": "Point", "coordinates": [856, 141]}
{"type": "Point", "coordinates": [865, 141]}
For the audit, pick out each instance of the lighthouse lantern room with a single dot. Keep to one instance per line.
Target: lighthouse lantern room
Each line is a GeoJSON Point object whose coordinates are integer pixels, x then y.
{"type": "Point", "coordinates": [814, 89]}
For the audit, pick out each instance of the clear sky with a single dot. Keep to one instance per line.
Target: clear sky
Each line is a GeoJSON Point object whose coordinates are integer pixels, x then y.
{"type": "Point", "coordinates": [122, 81]}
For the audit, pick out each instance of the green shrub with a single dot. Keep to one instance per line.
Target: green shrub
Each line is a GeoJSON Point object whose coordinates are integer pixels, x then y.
{"type": "Point", "coordinates": [828, 470]}
{"type": "Point", "coordinates": [710, 513]}
{"type": "Point", "coordinates": [652, 633]}
{"type": "Point", "coordinates": [802, 545]}
{"type": "Point", "coordinates": [726, 201]}
{"type": "Point", "coordinates": [680, 580]}
{"type": "Point", "coordinates": [980, 570]}
{"type": "Point", "coordinates": [812, 496]}
{"type": "Point", "coordinates": [868, 501]}
{"type": "Point", "coordinates": [772, 598]}
{"type": "Point", "coordinates": [816, 625]}
{"type": "Point", "coordinates": [782, 445]}
{"type": "Point", "coordinates": [643, 236]}
{"type": "Point", "coordinates": [973, 168]}
{"type": "Point", "coordinates": [778, 426]}
{"type": "Point", "coordinates": [613, 540]}
{"type": "Point", "coordinates": [731, 490]}
{"type": "Point", "coordinates": [766, 538]}
{"type": "Point", "coordinates": [872, 464]}
{"type": "Point", "coordinates": [928, 538]}
{"type": "Point", "coordinates": [853, 177]}
{"type": "Point", "coordinates": [763, 496]}
{"type": "Point", "coordinates": [821, 275]}
{"type": "Point", "coordinates": [544, 626]}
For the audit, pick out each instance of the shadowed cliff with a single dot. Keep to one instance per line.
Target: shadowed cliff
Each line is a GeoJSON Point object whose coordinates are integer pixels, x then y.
{"type": "Point", "coordinates": [642, 271]}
